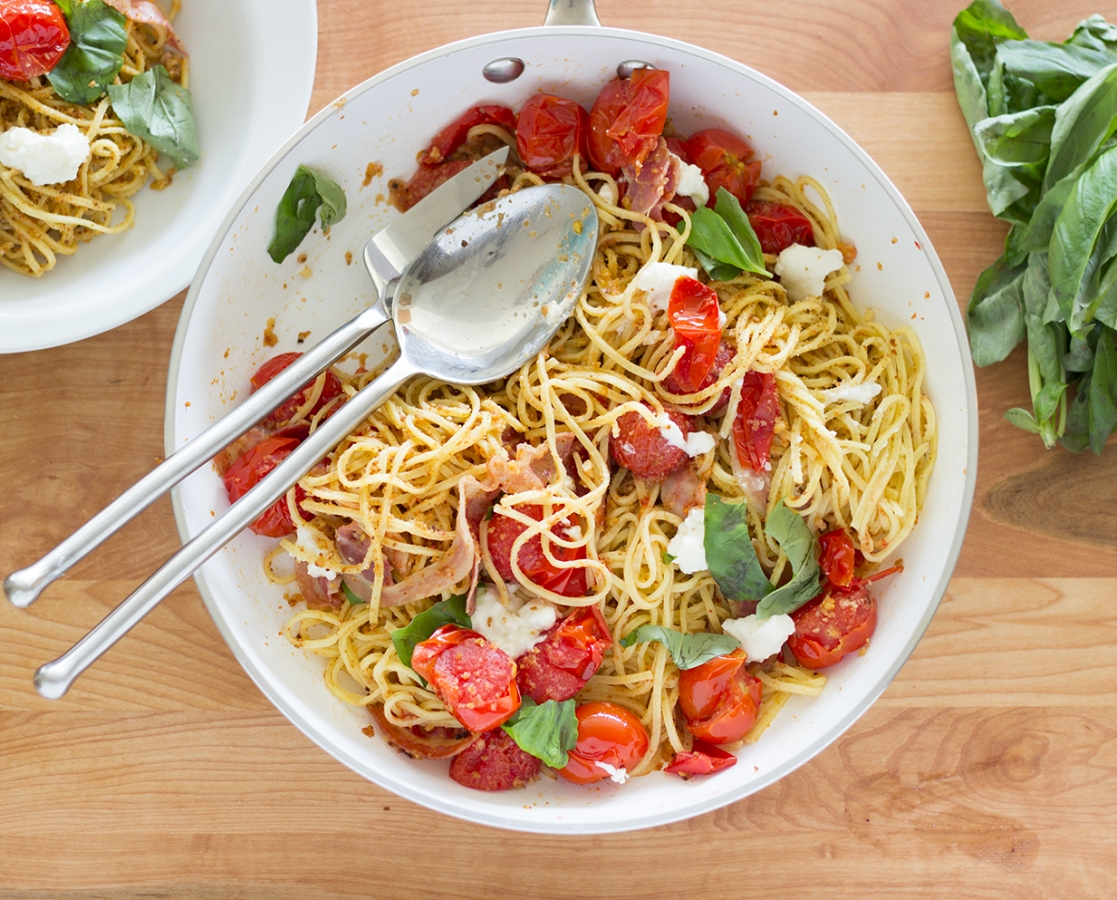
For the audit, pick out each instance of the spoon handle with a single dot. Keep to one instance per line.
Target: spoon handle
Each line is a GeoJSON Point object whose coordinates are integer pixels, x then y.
{"type": "Point", "coordinates": [24, 586]}
{"type": "Point", "coordinates": [53, 679]}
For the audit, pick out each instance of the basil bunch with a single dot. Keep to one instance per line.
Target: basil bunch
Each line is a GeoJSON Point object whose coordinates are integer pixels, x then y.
{"type": "Point", "coordinates": [1043, 117]}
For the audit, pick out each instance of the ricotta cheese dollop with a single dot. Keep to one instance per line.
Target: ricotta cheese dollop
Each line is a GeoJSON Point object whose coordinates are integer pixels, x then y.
{"type": "Point", "coordinates": [657, 280]}
{"type": "Point", "coordinates": [45, 158]}
{"type": "Point", "coordinates": [616, 773]}
{"type": "Point", "coordinates": [688, 546]}
{"type": "Point", "coordinates": [859, 393]}
{"type": "Point", "coordinates": [515, 630]}
{"type": "Point", "coordinates": [694, 444]}
{"type": "Point", "coordinates": [759, 637]}
{"type": "Point", "coordinates": [690, 182]}
{"type": "Point", "coordinates": [802, 270]}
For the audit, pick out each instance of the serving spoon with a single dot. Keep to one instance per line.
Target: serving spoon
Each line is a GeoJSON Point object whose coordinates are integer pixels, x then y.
{"type": "Point", "coordinates": [484, 297]}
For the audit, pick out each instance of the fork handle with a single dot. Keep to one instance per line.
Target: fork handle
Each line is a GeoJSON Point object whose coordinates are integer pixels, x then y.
{"type": "Point", "coordinates": [24, 586]}
{"type": "Point", "coordinates": [53, 679]}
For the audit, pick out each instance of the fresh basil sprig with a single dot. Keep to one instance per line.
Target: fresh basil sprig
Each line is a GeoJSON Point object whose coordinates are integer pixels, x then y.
{"type": "Point", "coordinates": [548, 730]}
{"type": "Point", "coordinates": [153, 107]}
{"type": "Point", "coordinates": [95, 54]}
{"type": "Point", "coordinates": [444, 612]}
{"type": "Point", "coordinates": [308, 193]}
{"type": "Point", "coordinates": [687, 650]}
{"type": "Point", "coordinates": [734, 565]}
{"type": "Point", "coordinates": [724, 241]}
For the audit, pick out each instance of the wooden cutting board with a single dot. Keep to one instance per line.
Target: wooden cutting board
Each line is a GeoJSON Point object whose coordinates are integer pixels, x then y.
{"type": "Point", "coordinates": [988, 769]}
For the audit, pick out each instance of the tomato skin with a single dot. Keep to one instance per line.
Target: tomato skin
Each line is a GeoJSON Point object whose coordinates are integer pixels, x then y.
{"type": "Point", "coordinates": [832, 625]}
{"type": "Point", "coordinates": [549, 132]}
{"type": "Point", "coordinates": [719, 698]}
{"type": "Point", "coordinates": [453, 135]}
{"type": "Point", "coordinates": [755, 424]}
{"type": "Point", "coordinates": [722, 358]}
{"type": "Point", "coordinates": [33, 38]}
{"type": "Point", "coordinates": [559, 666]}
{"type": "Point", "coordinates": [606, 733]}
{"type": "Point", "coordinates": [494, 762]}
{"type": "Point", "coordinates": [726, 162]}
{"type": "Point", "coordinates": [245, 473]}
{"type": "Point", "coordinates": [473, 677]}
{"type": "Point", "coordinates": [643, 450]}
{"type": "Point", "coordinates": [422, 743]}
{"type": "Point", "coordinates": [283, 413]}
{"type": "Point", "coordinates": [778, 226]}
{"type": "Point", "coordinates": [701, 759]}
{"type": "Point", "coordinates": [695, 316]}
{"type": "Point", "coordinates": [837, 557]}
{"type": "Point", "coordinates": [627, 120]}
{"type": "Point", "coordinates": [503, 531]}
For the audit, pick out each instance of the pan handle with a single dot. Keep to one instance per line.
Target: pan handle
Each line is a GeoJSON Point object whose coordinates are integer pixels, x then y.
{"type": "Point", "coordinates": [571, 12]}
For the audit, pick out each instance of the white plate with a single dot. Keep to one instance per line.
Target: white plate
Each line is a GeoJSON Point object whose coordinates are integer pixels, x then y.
{"type": "Point", "coordinates": [388, 120]}
{"type": "Point", "coordinates": [251, 72]}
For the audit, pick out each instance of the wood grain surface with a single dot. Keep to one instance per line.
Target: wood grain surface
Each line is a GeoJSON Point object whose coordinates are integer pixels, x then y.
{"type": "Point", "coordinates": [988, 769]}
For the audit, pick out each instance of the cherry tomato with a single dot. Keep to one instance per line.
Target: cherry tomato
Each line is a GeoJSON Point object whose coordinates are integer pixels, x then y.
{"type": "Point", "coordinates": [33, 38]}
{"type": "Point", "coordinates": [695, 316]}
{"type": "Point", "coordinates": [559, 666]}
{"type": "Point", "coordinates": [283, 413]}
{"type": "Point", "coordinates": [837, 557]}
{"type": "Point", "coordinates": [719, 698]}
{"type": "Point", "coordinates": [835, 623]}
{"type": "Point", "coordinates": [778, 226]}
{"type": "Point", "coordinates": [245, 473]}
{"type": "Point", "coordinates": [643, 450]}
{"type": "Point", "coordinates": [755, 425]}
{"type": "Point", "coordinates": [549, 132]}
{"type": "Point", "coordinates": [475, 678]}
{"type": "Point", "coordinates": [726, 161]}
{"type": "Point", "coordinates": [627, 120]}
{"type": "Point", "coordinates": [608, 734]}
{"type": "Point", "coordinates": [425, 180]}
{"type": "Point", "coordinates": [494, 762]}
{"type": "Point", "coordinates": [503, 531]}
{"type": "Point", "coordinates": [453, 135]}
{"type": "Point", "coordinates": [722, 358]}
{"type": "Point", "coordinates": [422, 743]}
{"type": "Point", "coordinates": [701, 759]}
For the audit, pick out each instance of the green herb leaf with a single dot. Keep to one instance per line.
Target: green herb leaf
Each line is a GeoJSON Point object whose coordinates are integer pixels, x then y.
{"type": "Point", "coordinates": [729, 208]}
{"type": "Point", "coordinates": [796, 540]}
{"type": "Point", "coordinates": [1102, 390]}
{"type": "Point", "coordinates": [548, 730]}
{"type": "Point", "coordinates": [687, 650]}
{"type": "Point", "coordinates": [95, 54]}
{"type": "Point", "coordinates": [349, 595]}
{"type": "Point", "coordinates": [1022, 419]}
{"type": "Point", "coordinates": [667, 558]}
{"type": "Point", "coordinates": [1058, 70]}
{"type": "Point", "coordinates": [308, 193]}
{"type": "Point", "coordinates": [153, 107]}
{"type": "Point", "coordinates": [995, 314]}
{"type": "Point", "coordinates": [425, 624]}
{"type": "Point", "coordinates": [730, 556]}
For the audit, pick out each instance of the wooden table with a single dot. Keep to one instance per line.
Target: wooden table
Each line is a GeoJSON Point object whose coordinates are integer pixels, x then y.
{"type": "Point", "coordinates": [988, 769]}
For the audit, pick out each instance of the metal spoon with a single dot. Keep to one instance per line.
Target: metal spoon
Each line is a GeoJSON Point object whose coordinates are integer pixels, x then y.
{"type": "Point", "coordinates": [480, 301]}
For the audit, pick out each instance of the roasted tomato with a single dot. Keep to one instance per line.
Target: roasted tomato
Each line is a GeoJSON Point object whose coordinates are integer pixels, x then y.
{"type": "Point", "coordinates": [425, 180]}
{"type": "Point", "coordinates": [722, 358]}
{"type": "Point", "coordinates": [607, 734]}
{"type": "Point", "coordinates": [701, 759]}
{"type": "Point", "coordinates": [755, 424]}
{"type": "Point", "coordinates": [560, 665]}
{"type": "Point", "coordinates": [726, 161]}
{"type": "Point", "coordinates": [778, 226]}
{"type": "Point", "coordinates": [719, 698]}
{"type": "Point", "coordinates": [549, 132]}
{"type": "Point", "coordinates": [245, 473]}
{"type": "Point", "coordinates": [422, 743]}
{"type": "Point", "coordinates": [33, 38]}
{"type": "Point", "coordinates": [837, 557]}
{"type": "Point", "coordinates": [627, 120]}
{"type": "Point", "coordinates": [453, 135]}
{"type": "Point", "coordinates": [282, 414]}
{"type": "Point", "coordinates": [494, 762]}
{"type": "Point", "coordinates": [642, 448]}
{"type": "Point", "coordinates": [502, 533]}
{"type": "Point", "coordinates": [838, 622]}
{"type": "Point", "coordinates": [695, 316]}
{"type": "Point", "coordinates": [473, 677]}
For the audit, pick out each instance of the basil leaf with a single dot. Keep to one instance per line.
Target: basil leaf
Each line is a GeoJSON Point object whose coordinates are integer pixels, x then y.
{"type": "Point", "coordinates": [796, 540]}
{"type": "Point", "coordinates": [687, 650]}
{"type": "Point", "coordinates": [1058, 70]}
{"type": "Point", "coordinates": [95, 54]}
{"type": "Point", "coordinates": [715, 270]}
{"type": "Point", "coordinates": [980, 27]}
{"type": "Point", "coordinates": [1082, 125]}
{"type": "Point", "coordinates": [1046, 348]}
{"type": "Point", "coordinates": [730, 556]}
{"type": "Point", "coordinates": [729, 208]}
{"type": "Point", "coordinates": [349, 595]}
{"type": "Point", "coordinates": [548, 730]}
{"type": "Point", "coordinates": [995, 314]}
{"type": "Point", "coordinates": [1102, 390]}
{"type": "Point", "coordinates": [153, 107]}
{"type": "Point", "coordinates": [724, 241]}
{"type": "Point", "coordinates": [1076, 435]}
{"type": "Point", "coordinates": [1095, 32]}
{"type": "Point", "coordinates": [444, 612]}
{"type": "Point", "coordinates": [1022, 419]}
{"type": "Point", "coordinates": [710, 233]}
{"type": "Point", "coordinates": [308, 193]}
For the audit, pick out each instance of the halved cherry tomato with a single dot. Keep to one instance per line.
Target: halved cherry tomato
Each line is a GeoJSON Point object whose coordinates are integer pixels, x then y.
{"type": "Point", "coordinates": [608, 734]}
{"type": "Point", "coordinates": [549, 132]}
{"type": "Point", "coordinates": [719, 698]}
{"type": "Point", "coordinates": [701, 759]}
{"type": "Point", "coordinates": [627, 120]}
{"type": "Point", "coordinates": [755, 424]}
{"type": "Point", "coordinates": [642, 448]}
{"type": "Point", "coordinates": [502, 533]}
{"type": "Point", "coordinates": [778, 226]}
{"type": "Point", "coordinates": [453, 135]}
{"type": "Point", "coordinates": [33, 38]}
{"type": "Point", "coordinates": [475, 678]}
{"type": "Point", "coordinates": [245, 473]}
{"type": "Point", "coordinates": [726, 161]}
{"type": "Point", "coordinates": [283, 413]}
{"type": "Point", "coordinates": [695, 316]}
{"type": "Point", "coordinates": [722, 358]}
{"type": "Point", "coordinates": [837, 557]}
{"type": "Point", "coordinates": [422, 743]}
{"type": "Point", "coordinates": [835, 623]}
{"type": "Point", "coordinates": [560, 665]}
